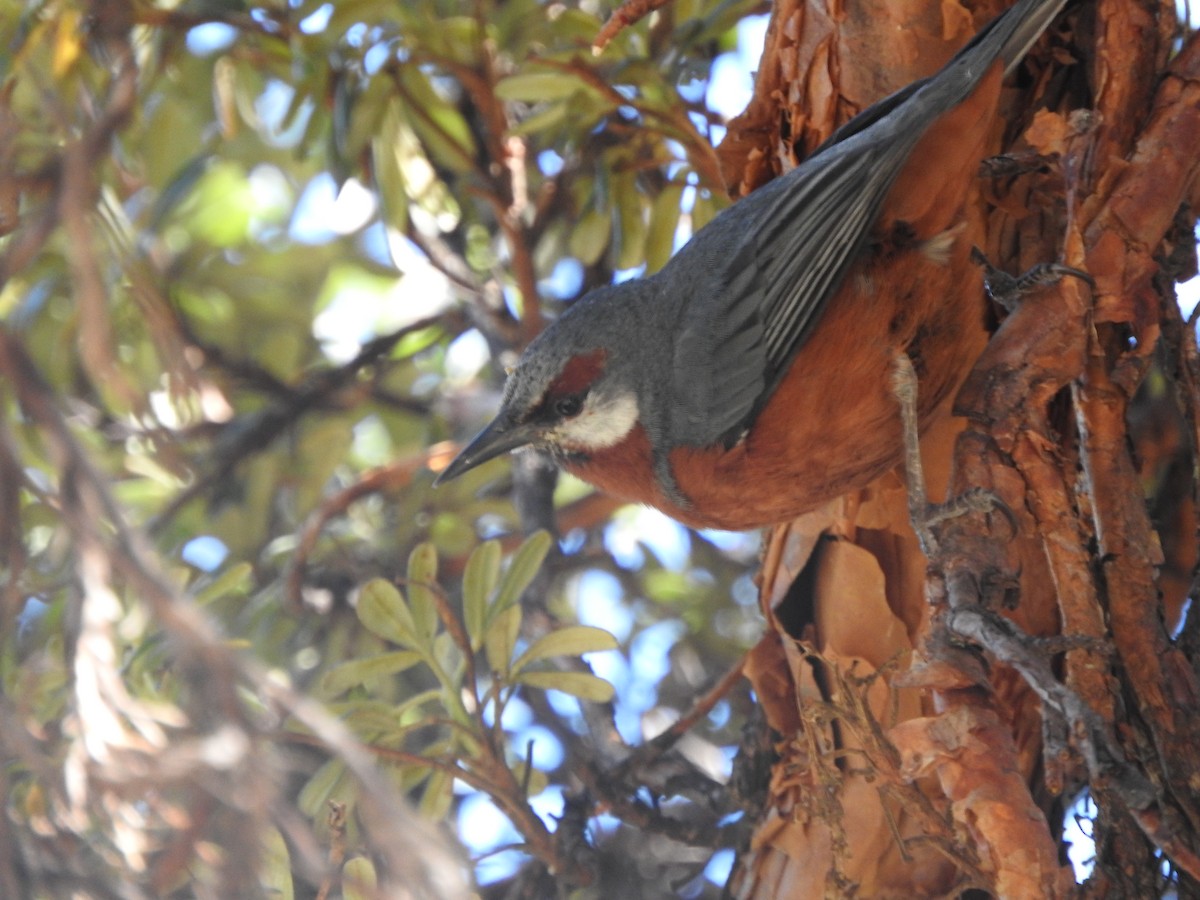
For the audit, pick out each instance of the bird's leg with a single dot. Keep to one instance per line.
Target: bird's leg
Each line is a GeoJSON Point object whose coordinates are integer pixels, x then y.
{"type": "Point", "coordinates": [925, 515]}
{"type": "Point", "coordinates": [1008, 290]}
{"type": "Point", "coordinates": [904, 386]}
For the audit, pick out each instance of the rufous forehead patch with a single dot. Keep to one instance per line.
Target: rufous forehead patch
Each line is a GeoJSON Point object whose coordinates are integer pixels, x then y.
{"type": "Point", "coordinates": [579, 374]}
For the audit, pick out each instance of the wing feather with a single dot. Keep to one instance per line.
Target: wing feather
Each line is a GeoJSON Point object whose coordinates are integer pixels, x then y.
{"type": "Point", "coordinates": [760, 275]}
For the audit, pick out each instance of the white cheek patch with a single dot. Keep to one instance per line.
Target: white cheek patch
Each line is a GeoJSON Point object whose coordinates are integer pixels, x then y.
{"type": "Point", "coordinates": [601, 423]}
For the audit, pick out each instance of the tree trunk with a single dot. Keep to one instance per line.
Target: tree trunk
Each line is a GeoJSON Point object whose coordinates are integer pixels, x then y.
{"type": "Point", "coordinates": [929, 736]}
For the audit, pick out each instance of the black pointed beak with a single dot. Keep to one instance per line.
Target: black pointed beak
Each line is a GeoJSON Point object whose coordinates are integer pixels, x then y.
{"type": "Point", "coordinates": [499, 437]}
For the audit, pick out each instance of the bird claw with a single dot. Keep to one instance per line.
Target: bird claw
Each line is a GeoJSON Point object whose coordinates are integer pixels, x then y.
{"type": "Point", "coordinates": [927, 516]}
{"type": "Point", "coordinates": [974, 500]}
{"type": "Point", "coordinates": [1008, 290]}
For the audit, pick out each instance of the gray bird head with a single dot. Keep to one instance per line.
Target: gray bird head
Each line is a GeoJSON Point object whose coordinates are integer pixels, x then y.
{"type": "Point", "coordinates": [573, 390]}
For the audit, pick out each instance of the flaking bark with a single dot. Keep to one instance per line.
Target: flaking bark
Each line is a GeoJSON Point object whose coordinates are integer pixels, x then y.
{"type": "Point", "coordinates": [968, 756]}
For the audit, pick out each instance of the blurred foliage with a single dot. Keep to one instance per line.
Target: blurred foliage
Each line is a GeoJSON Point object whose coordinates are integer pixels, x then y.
{"type": "Point", "coordinates": [266, 259]}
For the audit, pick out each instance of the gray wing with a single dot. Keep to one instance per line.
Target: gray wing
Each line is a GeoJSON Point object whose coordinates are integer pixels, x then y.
{"type": "Point", "coordinates": [788, 246]}
{"type": "Point", "coordinates": [739, 335]}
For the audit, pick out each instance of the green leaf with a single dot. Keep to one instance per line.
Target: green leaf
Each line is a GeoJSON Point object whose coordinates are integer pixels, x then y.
{"type": "Point", "coordinates": [234, 580]}
{"type": "Point", "coordinates": [573, 641]}
{"type": "Point", "coordinates": [457, 38]}
{"type": "Point", "coordinates": [664, 221]}
{"type": "Point", "coordinates": [536, 779]}
{"type": "Point", "coordinates": [435, 802]}
{"type": "Point", "coordinates": [411, 708]}
{"type": "Point", "coordinates": [368, 668]}
{"type": "Point", "coordinates": [388, 160]}
{"type": "Point", "coordinates": [180, 187]}
{"type": "Point", "coordinates": [449, 658]}
{"type": "Point", "coordinates": [381, 608]}
{"type": "Point", "coordinates": [358, 880]}
{"type": "Point", "coordinates": [704, 209]}
{"type": "Point", "coordinates": [326, 782]}
{"type": "Point", "coordinates": [350, 13]}
{"type": "Point", "coordinates": [276, 866]}
{"type": "Point", "coordinates": [422, 582]}
{"type": "Point", "coordinates": [443, 131]}
{"type": "Point", "coordinates": [501, 639]}
{"type": "Point", "coordinates": [544, 119]}
{"type": "Point", "coordinates": [522, 569]}
{"type": "Point", "coordinates": [577, 684]}
{"type": "Point", "coordinates": [416, 341]}
{"type": "Point", "coordinates": [221, 206]}
{"type": "Point", "coordinates": [590, 237]}
{"type": "Point", "coordinates": [630, 222]}
{"type": "Point", "coordinates": [404, 174]}
{"type": "Point", "coordinates": [358, 120]}
{"type": "Point", "coordinates": [479, 580]}
{"type": "Point", "coordinates": [534, 87]}
{"type": "Point", "coordinates": [322, 447]}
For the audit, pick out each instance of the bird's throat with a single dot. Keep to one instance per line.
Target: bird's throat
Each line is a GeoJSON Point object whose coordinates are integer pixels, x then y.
{"type": "Point", "coordinates": [624, 469]}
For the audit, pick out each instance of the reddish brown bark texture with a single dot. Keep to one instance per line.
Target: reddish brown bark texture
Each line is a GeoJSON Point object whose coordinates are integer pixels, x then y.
{"type": "Point", "coordinates": [913, 763]}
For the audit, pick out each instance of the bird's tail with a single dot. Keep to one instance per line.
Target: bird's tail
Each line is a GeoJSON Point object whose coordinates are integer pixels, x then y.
{"type": "Point", "coordinates": [1007, 37]}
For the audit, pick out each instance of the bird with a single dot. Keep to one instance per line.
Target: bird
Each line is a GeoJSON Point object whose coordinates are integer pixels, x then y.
{"type": "Point", "coordinates": [748, 381]}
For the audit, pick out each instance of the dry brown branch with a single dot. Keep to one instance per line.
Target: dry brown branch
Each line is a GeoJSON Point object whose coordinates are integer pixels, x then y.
{"type": "Point", "coordinates": [416, 862]}
{"type": "Point", "coordinates": [337, 847]}
{"type": "Point", "coordinates": [273, 27]}
{"type": "Point", "coordinates": [628, 13]}
{"type": "Point", "coordinates": [649, 751]}
{"type": "Point", "coordinates": [78, 193]}
{"type": "Point", "coordinates": [319, 389]}
{"type": "Point", "coordinates": [385, 479]}
{"type": "Point", "coordinates": [673, 121]}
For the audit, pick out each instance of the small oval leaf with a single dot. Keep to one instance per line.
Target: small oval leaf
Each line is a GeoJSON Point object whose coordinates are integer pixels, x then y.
{"type": "Point", "coordinates": [533, 87]}
{"type": "Point", "coordinates": [573, 641]}
{"type": "Point", "coordinates": [276, 866]}
{"type": "Point", "coordinates": [577, 684]}
{"type": "Point", "coordinates": [234, 580]}
{"type": "Point", "coordinates": [358, 879]}
{"type": "Point", "coordinates": [590, 237]}
{"type": "Point", "coordinates": [522, 569]}
{"type": "Point", "coordinates": [422, 582]}
{"type": "Point", "coordinates": [664, 222]}
{"type": "Point", "coordinates": [357, 671]}
{"type": "Point", "coordinates": [381, 608]}
{"type": "Point", "coordinates": [328, 781]}
{"type": "Point", "coordinates": [479, 580]}
{"type": "Point", "coordinates": [630, 222]}
{"type": "Point", "coordinates": [543, 120]}
{"type": "Point", "coordinates": [439, 793]}
{"type": "Point", "coordinates": [501, 639]}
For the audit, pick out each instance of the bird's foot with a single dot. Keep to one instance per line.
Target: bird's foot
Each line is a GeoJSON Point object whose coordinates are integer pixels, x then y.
{"type": "Point", "coordinates": [1008, 290]}
{"type": "Point", "coordinates": [927, 516]}
{"type": "Point", "coordinates": [975, 500]}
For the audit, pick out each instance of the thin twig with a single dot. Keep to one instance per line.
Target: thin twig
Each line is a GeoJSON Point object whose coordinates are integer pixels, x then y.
{"type": "Point", "coordinates": [270, 423]}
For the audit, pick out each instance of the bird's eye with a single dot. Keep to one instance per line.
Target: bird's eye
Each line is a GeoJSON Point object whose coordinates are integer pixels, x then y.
{"type": "Point", "coordinates": [569, 407]}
